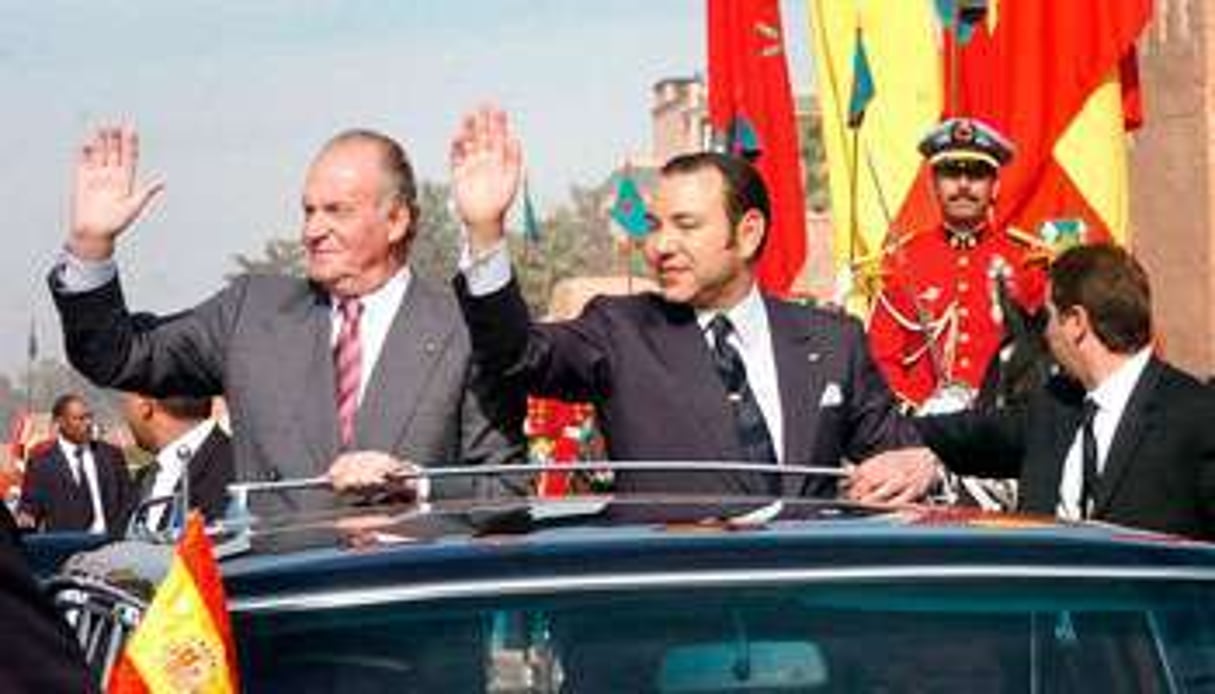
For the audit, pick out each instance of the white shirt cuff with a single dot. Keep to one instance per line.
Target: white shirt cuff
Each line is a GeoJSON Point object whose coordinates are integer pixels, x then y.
{"type": "Point", "coordinates": [77, 275]}
{"type": "Point", "coordinates": [487, 272]}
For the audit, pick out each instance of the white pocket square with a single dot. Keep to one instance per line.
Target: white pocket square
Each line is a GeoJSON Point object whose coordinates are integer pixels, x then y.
{"type": "Point", "coordinates": [832, 397]}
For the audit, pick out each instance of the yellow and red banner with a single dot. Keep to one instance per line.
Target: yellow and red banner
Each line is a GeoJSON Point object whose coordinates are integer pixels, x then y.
{"type": "Point", "coordinates": [1057, 78]}
{"type": "Point", "coordinates": [184, 642]}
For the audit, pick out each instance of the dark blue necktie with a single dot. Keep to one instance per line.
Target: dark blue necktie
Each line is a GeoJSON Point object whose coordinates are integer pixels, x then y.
{"type": "Point", "coordinates": [753, 434]}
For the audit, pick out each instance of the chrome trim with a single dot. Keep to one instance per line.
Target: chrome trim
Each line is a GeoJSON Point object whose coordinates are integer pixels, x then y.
{"type": "Point", "coordinates": [443, 590]}
{"type": "Point", "coordinates": [322, 482]}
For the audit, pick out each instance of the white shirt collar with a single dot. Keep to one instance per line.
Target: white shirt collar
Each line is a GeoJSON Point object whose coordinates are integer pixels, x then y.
{"type": "Point", "coordinates": [749, 318]}
{"type": "Point", "coordinates": [173, 455]}
{"type": "Point", "coordinates": [384, 301]}
{"type": "Point", "coordinates": [68, 449]}
{"type": "Point", "coordinates": [1112, 394]}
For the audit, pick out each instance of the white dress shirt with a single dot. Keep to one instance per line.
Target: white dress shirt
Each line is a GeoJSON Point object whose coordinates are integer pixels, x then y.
{"type": "Point", "coordinates": [85, 466]}
{"type": "Point", "coordinates": [379, 310]}
{"type": "Point", "coordinates": [171, 461]}
{"type": "Point", "coordinates": [1110, 396]}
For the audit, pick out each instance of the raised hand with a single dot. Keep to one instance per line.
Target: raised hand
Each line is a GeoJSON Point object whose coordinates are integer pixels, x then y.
{"type": "Point", "coordinates": [486, 165]}
{"type": "Point", "coordinates": [106, 197]}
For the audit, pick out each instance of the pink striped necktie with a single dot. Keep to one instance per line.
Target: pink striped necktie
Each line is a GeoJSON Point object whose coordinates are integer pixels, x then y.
{"type": "Point", "coordinates": [348, 367]}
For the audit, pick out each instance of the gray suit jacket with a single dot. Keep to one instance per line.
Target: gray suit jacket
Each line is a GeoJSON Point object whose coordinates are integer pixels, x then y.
{"type": "Point", "coordinates": [264, 343]}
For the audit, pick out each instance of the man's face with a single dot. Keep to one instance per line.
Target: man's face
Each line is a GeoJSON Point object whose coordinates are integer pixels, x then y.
{"type": "Point", "coordinates": [76, 422]}
{"type": "Point", "coordinates": [699, 258]}
{"type": "Point", "coordinates": [351, 224]}
{"type": "Point", "coordinates": [965, 189]}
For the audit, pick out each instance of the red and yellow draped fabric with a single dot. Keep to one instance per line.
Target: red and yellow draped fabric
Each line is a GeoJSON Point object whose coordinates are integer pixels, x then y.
{"type": "Point", "coordinates": [1058, 78]}
{"type": "Point", "coordinates": [184, 642]}
{"type": "Point", "coordinates": [751, 106]}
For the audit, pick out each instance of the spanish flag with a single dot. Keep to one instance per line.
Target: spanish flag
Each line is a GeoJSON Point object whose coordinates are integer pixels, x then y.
{"type": "Point", "coordinates": [184, 642]}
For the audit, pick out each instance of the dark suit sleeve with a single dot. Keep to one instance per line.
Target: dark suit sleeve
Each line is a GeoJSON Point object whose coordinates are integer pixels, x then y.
{"type": "Point", "coordinates": [565, 359]}
{"type": "Point", "coordinates": [978, 443]}
{"type": "Point", "coordinates": [35, 493]}
{"type": "Point", "coordinates": [876, 424]}
{"type": "Point", "coordinates": [39, 653]}
{"type": "Point", "coordinates": [178, 354]}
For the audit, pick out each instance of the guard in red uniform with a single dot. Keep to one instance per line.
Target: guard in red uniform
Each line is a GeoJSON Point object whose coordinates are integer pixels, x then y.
{"type": "Point", "coordinates": [936, 322]}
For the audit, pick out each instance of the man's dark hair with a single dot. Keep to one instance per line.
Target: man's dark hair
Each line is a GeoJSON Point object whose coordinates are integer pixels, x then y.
{"type": "Point", "coordinates": [1113, 289]}
{"type": "Point", "coordinates": [744, 188]}
{"type": "Point", "coordinates": [402, 184]}
{"type": "Point", "coordinates": [62, 402]}
{"type": "Point", "coordinates": [186, 407]}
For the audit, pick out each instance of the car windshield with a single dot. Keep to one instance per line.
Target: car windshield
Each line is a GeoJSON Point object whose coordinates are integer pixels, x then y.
{"type": "Point", "coordinates": [972, 635]}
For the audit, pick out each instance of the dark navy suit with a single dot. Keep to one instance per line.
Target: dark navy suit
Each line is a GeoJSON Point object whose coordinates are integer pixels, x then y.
{"type": "Point", "coordinates": [646, 366]}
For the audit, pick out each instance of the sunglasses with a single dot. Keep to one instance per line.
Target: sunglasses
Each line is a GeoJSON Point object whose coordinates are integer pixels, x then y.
{"type": "Point", "coordinates": [964, 168]}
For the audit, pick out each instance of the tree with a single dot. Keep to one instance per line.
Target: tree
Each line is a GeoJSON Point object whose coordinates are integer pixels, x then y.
{"type": "Point", "coordinates": [280, 256]}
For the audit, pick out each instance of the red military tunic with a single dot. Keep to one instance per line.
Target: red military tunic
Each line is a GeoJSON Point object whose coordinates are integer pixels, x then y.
{"type": "Point", "coordinates": [952, 275]}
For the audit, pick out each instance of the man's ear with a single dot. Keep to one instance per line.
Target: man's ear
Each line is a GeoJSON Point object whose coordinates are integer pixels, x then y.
{"type": "Point", "coordinates": [751, 230]}
{"type": "Point", "coordinates": [1084, 325]}
{"type": "Point", "coordinates": [399, 219]}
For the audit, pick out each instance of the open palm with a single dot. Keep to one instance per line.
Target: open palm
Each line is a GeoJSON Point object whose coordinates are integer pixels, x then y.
{"type": "Point", "coordinates": [486, 167]}
{"type": "Point", "coordinates": [106, 198]}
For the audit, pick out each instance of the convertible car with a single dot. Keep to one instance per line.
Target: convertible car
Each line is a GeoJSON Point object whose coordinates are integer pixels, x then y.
{"type": "Point", "coordinates": [683, 594]}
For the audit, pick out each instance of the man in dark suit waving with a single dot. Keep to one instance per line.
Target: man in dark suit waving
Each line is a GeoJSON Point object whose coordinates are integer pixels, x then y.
{"type": "Point", "coordinates": [707, 369]}
{"type": "Point", "coordinates": [78, 483]}
{"type": "Point", "coordinates": [1127, 439]}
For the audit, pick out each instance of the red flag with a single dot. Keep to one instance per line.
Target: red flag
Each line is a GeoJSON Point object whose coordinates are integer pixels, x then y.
{"type": "Point", "coordinates": [751, 104]}
{"type": "Point", "coordinates": [184, 642]}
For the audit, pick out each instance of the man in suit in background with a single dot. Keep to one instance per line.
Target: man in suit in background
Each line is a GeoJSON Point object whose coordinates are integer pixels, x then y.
{"type": "Point", "coordinates": [180, 432]}
{"type": "Point", "coordinates": [709, 368]}
{"type": "Point", "coordinates": [358, 372]}
{"type": "Point", "coordinates": [1130, 440]}
{"type": "Point", "coordinates": [40, 653]}
{"type": "Point", "coordinates": [78, 483]}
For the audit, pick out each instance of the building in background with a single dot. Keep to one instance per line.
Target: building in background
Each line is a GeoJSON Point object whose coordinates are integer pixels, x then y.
{"type": "Point", "coordinates": [1173, 179]}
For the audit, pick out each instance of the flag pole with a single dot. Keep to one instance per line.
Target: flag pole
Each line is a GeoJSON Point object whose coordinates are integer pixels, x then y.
{"type": "Point", "coordinates": [31, 355]}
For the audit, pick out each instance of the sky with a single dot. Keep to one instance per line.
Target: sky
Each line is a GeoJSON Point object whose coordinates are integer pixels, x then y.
{"type": "Point", "coordinates": [232, 98]}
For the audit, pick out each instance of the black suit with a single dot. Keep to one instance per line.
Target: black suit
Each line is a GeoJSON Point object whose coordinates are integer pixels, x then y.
{"type": "Point", "coordinates": [52, 496]}
{"type": "Point", "coordinates": [646, 366]}
{"type": "Point", "coordinates": [1160, 470]}
{"type": "Point", "coordinates": [211, 469]}
{"type": "Point", "coordinates": [39, 653]}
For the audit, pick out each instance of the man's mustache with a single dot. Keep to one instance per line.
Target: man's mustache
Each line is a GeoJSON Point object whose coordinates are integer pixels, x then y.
{"type": "Point", "coordinates": [963, 196]}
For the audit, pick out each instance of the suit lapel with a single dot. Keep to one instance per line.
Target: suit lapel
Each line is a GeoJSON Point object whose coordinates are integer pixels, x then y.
{"type": "Point", "coordinates": [1134, 424]}
{"type": "Point", "coordinates": [415, 342]}
{"type": "Point", "coordinates": [311, 377]}
{"type": "Point", "coordinates": [682, 347]}
{"type": "Point", "coordinates": [800, 382]}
